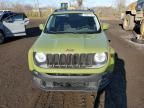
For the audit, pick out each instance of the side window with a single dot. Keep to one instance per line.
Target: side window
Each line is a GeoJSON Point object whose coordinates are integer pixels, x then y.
{"type": "Point", "coordinates": [143, 5]}
{"type": "Point", "coordinates": [10, 14]}
{"type": "Point", "coordinates": [16, 17]}
{"type": "Point", "coordinates": [5, 16]}
{"type": "Point", "coordinates": [140, 6]}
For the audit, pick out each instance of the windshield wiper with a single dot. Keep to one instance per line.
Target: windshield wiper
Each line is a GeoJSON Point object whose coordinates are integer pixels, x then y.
{"type": "Point", "coordinates": [90, 32]}
{"type": "Point", "coordinates": [85, 32]}
{"type": "Point", "coordinates": [63, 32]}
{"type": "Point", "coordinates": [52, 32]}
{"type": "Point", "coordinates": [78, 32]}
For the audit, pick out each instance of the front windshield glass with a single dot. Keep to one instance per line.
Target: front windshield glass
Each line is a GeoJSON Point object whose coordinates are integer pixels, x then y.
{"type": "Point", "coordinates": [73, 23]}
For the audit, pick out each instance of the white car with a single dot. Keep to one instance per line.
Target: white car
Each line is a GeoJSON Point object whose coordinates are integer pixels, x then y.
{"type": "Point", "coordinates": [12, 24]}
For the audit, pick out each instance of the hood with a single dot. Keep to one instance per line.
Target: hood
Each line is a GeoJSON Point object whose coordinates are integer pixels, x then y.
{"type": "Point", "coordinates": [71, 43]}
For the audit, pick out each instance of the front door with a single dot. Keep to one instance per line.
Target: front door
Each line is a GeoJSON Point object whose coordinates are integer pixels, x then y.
{"type": "Point", "coordinates": [14, 25]}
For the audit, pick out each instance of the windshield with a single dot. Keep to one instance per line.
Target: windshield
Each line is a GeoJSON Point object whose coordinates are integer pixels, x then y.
{"type": "Point", "coordinates": [140, 5]}
{"type": "Point", "coordinates": [73, 23]}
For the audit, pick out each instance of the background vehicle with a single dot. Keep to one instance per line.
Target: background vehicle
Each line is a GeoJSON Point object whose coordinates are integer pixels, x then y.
{"type": "Point", "coordinates": [72, 53]}
{"type": "Point", "coordinates": [64, 6]}
{"type": "Point", "coordinates": [12, 24]}
{"type": "Point", "coordinates": [71, 5]}
{"type": "Point", "coordinates": [134, 17]}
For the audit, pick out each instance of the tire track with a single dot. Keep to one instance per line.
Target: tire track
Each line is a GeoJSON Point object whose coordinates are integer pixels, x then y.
{"type": "Point", "coordinates": [65, 100]}
{"type": "Point", "coordinates": [43, 100]}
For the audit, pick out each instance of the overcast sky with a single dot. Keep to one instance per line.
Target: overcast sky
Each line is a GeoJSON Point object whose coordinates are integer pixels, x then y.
{"type": "Point", "coordinates": [87, 3]}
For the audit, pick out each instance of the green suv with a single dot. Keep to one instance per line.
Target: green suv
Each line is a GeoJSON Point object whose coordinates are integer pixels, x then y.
{"type": "Point", "coordinates": [72, 53]}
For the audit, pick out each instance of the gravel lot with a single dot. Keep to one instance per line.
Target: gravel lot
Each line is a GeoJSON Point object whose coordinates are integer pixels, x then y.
{"type": "Point", "coordinates": [126, 90]}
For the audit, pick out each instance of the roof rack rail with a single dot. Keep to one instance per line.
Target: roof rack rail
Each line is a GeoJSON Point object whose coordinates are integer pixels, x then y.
{"type": "Point", "coordinates": [57, 10]}
{"type": "Point", "coordinates": [91, 10]}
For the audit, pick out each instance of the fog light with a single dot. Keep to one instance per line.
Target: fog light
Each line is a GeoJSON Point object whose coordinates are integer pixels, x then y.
{"type": "Point", "coordinates": [43, 83]}
{"type": "Point", "coordinates": [37, 81]}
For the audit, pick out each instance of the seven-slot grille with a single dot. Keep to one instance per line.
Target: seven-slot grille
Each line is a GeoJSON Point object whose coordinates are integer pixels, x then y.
{"type": "Point", "coordinates": [70, 60]}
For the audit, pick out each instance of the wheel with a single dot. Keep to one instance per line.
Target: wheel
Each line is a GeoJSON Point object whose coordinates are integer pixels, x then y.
{"type": "Point", "coordinates": [128, 22]}
{"type": "Point", "coordinates": [142, 30]}
{"type": "Point", "coordinates": [1, 38]}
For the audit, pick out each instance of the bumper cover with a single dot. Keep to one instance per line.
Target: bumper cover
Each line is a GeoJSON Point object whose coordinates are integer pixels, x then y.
{"type": "Point", "coordinates": [89, 83]}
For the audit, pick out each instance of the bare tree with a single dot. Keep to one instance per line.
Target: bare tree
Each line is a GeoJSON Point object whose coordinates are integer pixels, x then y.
{"type": "Point", "coordinates": [28, 7]}
{"type": "Point", "coordinates": [37, 5]}
{"type": "Point", "coordinates": [18, 7]}
{"type": "Point", "coordinates": [4, 4]}
{"type": "Point", "coordinates": [80, 3]}
{"type": "Point", "coordinates": [121, 4]}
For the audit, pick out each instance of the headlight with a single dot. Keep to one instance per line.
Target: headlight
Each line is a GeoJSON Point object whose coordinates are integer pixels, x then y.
{"type": "Point", "coordinates": [40, 57]}
{"type": "Point", "coordinates": [100, 57]}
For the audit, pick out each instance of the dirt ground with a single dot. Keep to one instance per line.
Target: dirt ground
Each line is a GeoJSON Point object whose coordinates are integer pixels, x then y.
{"type": "Point", "coordinates": [125, 91]}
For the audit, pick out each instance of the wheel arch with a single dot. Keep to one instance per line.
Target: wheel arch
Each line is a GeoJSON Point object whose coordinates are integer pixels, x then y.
{"type": "Point", "coordinates": [2, 32]}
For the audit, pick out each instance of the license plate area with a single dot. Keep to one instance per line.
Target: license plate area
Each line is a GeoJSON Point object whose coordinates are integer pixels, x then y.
{"type": "Point", "coordinates": [70, 84]}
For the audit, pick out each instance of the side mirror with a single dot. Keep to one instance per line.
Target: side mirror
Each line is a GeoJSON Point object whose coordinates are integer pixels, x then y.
{"type": "Point", "coordinates": [105, 26]}
{"type": "Point", "coordinates": [26, 21]}
{"type": "Point", "coordinates": [41, 27]}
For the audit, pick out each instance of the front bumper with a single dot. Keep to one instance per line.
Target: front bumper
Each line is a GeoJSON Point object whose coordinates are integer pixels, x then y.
{"type": "Point", "coordinates": [86, 83]}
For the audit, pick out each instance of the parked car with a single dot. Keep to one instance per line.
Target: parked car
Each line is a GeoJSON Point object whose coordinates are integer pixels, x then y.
{"type": "Point", "coordinates": [134, 17]}
{"type": "Point", "coordinates": [72, 53]}
{"type": "Point", "coordinates": [12, 24]}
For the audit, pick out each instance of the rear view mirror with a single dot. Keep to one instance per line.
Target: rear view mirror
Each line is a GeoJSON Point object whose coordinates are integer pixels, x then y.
{"type": "Point", "coordinates": [41, 27]}
{"type": "Point", "coordinates": [105, 26]}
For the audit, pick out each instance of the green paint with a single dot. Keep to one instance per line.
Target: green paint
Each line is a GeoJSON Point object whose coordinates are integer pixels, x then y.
{"type": "Point", "coordinates": [81, 43]}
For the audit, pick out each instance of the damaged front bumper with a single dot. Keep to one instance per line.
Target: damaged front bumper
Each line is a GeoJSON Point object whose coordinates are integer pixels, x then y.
{"type": "Point", "coordinates": [57, 82]}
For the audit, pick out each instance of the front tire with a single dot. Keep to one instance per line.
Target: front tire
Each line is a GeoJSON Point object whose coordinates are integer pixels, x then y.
{"type": "Point", "coordinates": [142, 30]}
{"type": "Point", "coordinates": [2, 38]}
{"type": "Point", "coordinates": [128, 22]}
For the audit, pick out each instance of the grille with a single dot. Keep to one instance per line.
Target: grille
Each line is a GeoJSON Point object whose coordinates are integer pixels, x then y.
{"type": "Point", "coordinates": [70, 60]}
{"type": "Point", "coordinates": [70, 74]}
